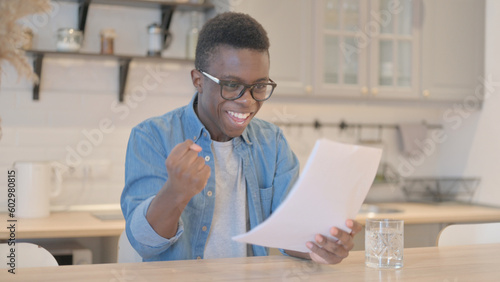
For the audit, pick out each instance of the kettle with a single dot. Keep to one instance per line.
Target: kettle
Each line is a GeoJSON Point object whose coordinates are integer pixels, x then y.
{"type": "Point", "coordinates": [34, 189]}
{"type": "Point", "coordinates": [159, 39]}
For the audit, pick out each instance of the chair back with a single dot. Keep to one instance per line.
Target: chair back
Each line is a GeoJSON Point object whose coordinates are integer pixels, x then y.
{"type": "Point", "coordinates": [127, 253]}
{"type": "Point", "coordinates": [469, 234]}
{"type": "Point", "coordinates": [25, 255]}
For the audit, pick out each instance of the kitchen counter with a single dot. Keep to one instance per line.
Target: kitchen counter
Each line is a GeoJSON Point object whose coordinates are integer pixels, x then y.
{"type": "Point", "coordinates": [65, 225]}
{"type": "Point", "coordinates": [455, 263]}
{"type": "Point", "coordinates": [423, 213]}
{"type": "Point", "coordinates": [84, 224]}
{"type": "Point", "coordinates": [422, 225]}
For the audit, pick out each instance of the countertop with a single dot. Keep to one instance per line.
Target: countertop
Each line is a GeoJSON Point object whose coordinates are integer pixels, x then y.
{"type": "Point", "coordinates": [456, 263]}
{"type": "Point", "coordinates": [84, 224]}
{"type": "Point", "coordinates": [446, 212]}
{"type": "Point", "coordinates": [64, 225]}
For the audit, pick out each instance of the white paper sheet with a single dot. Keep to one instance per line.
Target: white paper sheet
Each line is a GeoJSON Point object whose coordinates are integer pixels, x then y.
{"type": "Point", "coordinates": [330, 189]}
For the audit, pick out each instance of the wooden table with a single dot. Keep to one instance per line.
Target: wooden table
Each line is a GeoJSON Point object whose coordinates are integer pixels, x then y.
{"type": "Point", "coordinates": [458, 263]}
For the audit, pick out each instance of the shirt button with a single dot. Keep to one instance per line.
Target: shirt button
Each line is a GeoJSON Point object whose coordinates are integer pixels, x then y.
{"type": "Point", "coordinates": [194, 138]}
{"type": "Point", "coordinates": [209, 193]}
{"type": "Point", "coordinates": [198, 257]}
{"type": "Point", "coordinates": [207, 158]}
{"type": "Point", "coordinates": [204, 228]}
{"type": "Point", "coordinates": [204, 134]}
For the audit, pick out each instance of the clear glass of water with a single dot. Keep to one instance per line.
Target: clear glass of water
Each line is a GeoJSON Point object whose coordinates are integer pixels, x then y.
{"type": "Point", "coordinates": [384, 243]}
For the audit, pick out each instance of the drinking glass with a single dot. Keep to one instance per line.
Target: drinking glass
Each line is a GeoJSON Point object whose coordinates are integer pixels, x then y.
{"type": "Point", "coordinates": [384, 243]}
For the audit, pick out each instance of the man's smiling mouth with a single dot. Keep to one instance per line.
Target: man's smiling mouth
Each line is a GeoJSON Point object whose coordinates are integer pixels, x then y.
{"type": "Point", "coordinates": [239, 115]}
{"type": "Point", "coordinates": [238, 118]}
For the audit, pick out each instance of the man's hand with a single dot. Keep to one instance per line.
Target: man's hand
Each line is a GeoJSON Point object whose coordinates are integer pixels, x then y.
{"type": "Point", "coordinates": [328, 251]}
{"type": "Point", "coordinates": [187, 172]}
{"type": "Point", "coordinates": [187, 176]}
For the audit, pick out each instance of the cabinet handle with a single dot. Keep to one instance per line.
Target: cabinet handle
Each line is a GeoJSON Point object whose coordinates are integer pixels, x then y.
{"type": "Point", "coordinates": [374, 91]}
{"type": "Point", "coordinates": [426, 93]}
{"type": "Point", "coordinates": [364, 90]}
{"type": "Point", "coordinates": [308, 89]}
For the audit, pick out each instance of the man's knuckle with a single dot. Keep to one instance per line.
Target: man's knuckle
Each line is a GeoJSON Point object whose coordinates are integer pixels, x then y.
{"type": "Point", "coordinates": [207, 170]}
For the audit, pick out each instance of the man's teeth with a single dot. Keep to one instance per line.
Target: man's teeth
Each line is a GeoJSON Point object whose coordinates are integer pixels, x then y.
{"type": "Point", "coordinates": [239, 115]}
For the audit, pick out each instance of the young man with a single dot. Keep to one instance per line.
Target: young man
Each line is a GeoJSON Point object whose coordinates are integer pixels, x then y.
{"type": "Point", "coordinates": [205, 172]}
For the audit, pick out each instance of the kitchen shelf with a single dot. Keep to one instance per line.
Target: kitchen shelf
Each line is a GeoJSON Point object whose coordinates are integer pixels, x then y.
{"type": "Point", "coordinates": [167, 8]}
{"type": "Point", "coordinates": [150, 3]}
{"type": "Point", "coordinates": [124, 60]}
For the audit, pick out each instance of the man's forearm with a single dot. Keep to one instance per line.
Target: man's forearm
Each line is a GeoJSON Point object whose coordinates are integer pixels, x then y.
{"type": "Point", "coordinates": [164, 212]}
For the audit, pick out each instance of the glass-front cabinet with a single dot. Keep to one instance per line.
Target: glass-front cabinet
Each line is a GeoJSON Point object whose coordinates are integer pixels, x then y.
{"type": "Point", "coordinates": [288, 24]}
{"type": "Point", "coordinates": [367, 48]}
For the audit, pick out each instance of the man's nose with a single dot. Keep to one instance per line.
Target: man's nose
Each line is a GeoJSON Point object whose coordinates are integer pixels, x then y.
{"type": "Point", "coordinates": [247, 98]}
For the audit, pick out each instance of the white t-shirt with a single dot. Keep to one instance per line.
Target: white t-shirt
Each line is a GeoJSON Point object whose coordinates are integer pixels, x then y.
{"type": "Point", "coordinates": [229, 217]}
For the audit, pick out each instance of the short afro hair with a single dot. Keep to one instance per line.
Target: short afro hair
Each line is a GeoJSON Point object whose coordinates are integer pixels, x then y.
{"type": "Point", "coordinates": [236, 30]}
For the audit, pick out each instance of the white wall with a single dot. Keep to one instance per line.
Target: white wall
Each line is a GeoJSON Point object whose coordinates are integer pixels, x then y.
{"type": "Point", "coordinates": [77, 95]}
{"type": "Point", "coordinates": [483, 131]}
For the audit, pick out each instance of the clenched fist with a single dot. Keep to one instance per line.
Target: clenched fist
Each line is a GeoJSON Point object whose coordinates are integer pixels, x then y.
{"type": "Point", "coordinates": [187, 172]}
{"type": "Point", "coordinates": [187, 176]}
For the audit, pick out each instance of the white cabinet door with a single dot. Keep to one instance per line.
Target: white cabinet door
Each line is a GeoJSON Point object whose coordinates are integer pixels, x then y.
{"type": "Point", "coordinates": [394, 49]}
{"type": "Point", "coordinates": [288, 24]}
{"type": "Point", "coordinates": [341, 48]}
{"type": "Point", "coordinates": [452, 48]}
{"type": "Point", "coordinates": [367, 49]}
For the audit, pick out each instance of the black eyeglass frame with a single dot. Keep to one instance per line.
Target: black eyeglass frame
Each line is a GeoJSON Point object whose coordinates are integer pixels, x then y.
{"type": "Point", "coordinates": [222, 82]}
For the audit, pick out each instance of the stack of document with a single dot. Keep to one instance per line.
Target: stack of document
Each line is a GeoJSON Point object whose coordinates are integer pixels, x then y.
{"type": "Point", "coordinates": [330, 190]}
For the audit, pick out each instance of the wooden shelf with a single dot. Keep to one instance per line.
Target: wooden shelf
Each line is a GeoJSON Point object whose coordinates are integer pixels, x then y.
{"type": "Point", "coordinates": [167, 8]}
{"type": "Point", "coordinates": [124, 61]}
{"type": "Point", "coordinates": [151, 4]}
{"type": "Point", "coordinates": [104, 56]}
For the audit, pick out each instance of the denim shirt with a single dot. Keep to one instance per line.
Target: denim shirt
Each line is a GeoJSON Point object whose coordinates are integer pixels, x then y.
{"type": "Point", "coordinates": [270, 169]}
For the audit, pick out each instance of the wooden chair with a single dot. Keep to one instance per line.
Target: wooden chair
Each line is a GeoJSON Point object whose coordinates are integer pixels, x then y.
{"type": "Point", "coordinates": [468, 234]}
{"type": "Point", "coordinates": [26, 255]}
{"type": "Point", "coordinates": [127, 253]}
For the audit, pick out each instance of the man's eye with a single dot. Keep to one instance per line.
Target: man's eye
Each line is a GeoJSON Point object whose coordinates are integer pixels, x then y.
{"type": "Point", "coordinates": [260, 87]}
{"type": "Point", "coordinates": [232, 86]}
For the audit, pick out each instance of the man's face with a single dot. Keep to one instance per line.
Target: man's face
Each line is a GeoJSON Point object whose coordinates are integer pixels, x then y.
{"type": "Point", "coordinates": [228, 119]}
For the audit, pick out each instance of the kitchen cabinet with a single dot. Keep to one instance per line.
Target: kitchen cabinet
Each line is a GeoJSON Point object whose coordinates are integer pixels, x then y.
{"type": "Point", "coordinates": [413, 50]}
{"type": "Point", "coordinates": [452, 48]}
{"type": "Point", "coordinates": [289, 25]}
{"type": "Point", "coordinates": [367, 49]}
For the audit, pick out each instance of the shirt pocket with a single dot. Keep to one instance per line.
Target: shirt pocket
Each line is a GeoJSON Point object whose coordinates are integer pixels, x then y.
{"type": "Point", "coordinates": [266, 200]}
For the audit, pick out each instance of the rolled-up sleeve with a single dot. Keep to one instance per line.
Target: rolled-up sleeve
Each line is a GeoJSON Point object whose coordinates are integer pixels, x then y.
{"type": "Point", "coordinates": [145, 175]}
{"type": "Point", "coordinates": [148, 242]}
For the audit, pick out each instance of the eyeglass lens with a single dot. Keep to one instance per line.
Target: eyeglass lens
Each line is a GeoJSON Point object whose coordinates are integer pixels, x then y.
{"type": "Point", "coordinates": [233, 91]}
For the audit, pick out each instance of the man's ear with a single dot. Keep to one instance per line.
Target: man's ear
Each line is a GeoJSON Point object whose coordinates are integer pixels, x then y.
{"type": "Point", "coordinates": [197, 79]}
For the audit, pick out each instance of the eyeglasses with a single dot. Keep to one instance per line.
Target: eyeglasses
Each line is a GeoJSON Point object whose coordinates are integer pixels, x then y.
{"type": "Point", "coordinates": [232, 90]}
